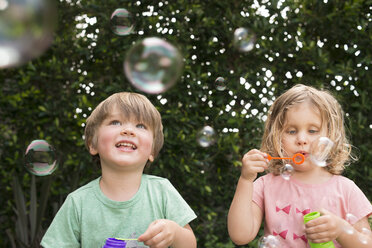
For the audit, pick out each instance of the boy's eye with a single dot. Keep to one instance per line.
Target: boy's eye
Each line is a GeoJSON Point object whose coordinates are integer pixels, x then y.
{"type": "Point", "coordinates": [141, 126]}
{"type": "Point", "coordinates": [115, 123]}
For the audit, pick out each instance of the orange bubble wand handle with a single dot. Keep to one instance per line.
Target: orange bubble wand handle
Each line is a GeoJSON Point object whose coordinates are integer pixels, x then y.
{"type": "Point", "coordinates": [300, 155]}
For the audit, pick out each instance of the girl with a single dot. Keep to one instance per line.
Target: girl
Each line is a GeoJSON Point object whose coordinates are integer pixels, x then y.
{"type": "Point", "coordinates": [295, 120]}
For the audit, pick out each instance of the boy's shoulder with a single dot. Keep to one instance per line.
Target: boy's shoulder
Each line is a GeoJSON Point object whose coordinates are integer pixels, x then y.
{"type": "Point", "coordinates": [87, 187]}
{"type": "Point", "coordinates": [151, 179]}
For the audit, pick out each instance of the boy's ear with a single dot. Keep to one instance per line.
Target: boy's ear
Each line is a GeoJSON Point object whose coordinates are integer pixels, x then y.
{"type": "Point", "coordinates": [151, 158]}
{"type": "Point", "coordinates": [93, 151]}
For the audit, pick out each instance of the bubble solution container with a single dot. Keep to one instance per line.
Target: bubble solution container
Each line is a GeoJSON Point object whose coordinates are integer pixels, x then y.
{"type": "Point", "coordinates": [329, 244]}
{"type": "Point", "coordinates": [114, 243]}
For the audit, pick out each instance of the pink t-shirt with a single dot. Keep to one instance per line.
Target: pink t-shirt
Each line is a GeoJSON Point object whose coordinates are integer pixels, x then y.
{"type": "Point", "coordinates": [284, 204]}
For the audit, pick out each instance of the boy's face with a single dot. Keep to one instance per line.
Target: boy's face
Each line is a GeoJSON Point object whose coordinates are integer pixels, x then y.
{"type": "Point", "coordinates": [123, 142]}
{"type": "Point", "coordinates": [303, 125]}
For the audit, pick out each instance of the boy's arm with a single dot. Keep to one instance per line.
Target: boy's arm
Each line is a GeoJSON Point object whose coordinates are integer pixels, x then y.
{"type": "Point", "coordinates": [244, 217]}
{"type": "Point", "coordinates": [164, 233]}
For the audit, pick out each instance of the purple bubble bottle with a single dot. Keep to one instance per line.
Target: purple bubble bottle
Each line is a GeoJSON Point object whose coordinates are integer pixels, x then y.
{"type": "Point", "coordinates": [114, 243]}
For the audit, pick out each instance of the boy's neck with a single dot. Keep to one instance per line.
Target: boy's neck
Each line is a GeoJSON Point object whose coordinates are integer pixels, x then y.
{"type": "Point", "coordinates": [120, 186]}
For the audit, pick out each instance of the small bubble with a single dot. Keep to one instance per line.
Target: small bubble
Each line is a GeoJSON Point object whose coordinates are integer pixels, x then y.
{"type": "Point", "coordinates": [244, 39]}
{"type": "Point", "coordinates": [286, 171]}
{"type": "Point", "coordinates": [269, 241]}
{"type": "Point", "coordinates": [122, 22]}
{"type": "Point", "coordinates": [40, 158]}
{"type": "Point", "coordinates": [206, 136]}
{"type": "Point", "coordinates": [220, 84]}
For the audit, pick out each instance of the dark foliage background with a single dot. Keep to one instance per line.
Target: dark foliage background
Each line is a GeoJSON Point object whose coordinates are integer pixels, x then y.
{"type": "Point", "coordinates": [321, 43]}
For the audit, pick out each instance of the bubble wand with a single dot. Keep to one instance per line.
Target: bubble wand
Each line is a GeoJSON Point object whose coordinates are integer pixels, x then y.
{"type": "Point", "coordinates": [295, 158]}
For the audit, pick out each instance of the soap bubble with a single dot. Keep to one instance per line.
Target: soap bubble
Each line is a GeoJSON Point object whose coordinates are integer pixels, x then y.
{"type": "Point", "coordinates": [320, 150]}
{"type": "Point", "coordinates": [40, 157]}
{"type": "Point", "coordinates": [286, 171]}
{"type": "Point", "coordinates": [363, 237]}
{"type": "Point", "coordinates": [220, 84]}
{"type": "Point", "coordinates": [122, 22]}
{"type": "Point", "coordinates": [269, 241]}
{"type": "Point", "coordinates": [153, 65]}
{"type": "Point", "coordinates": [26, 30]}
{"type": "Point", "coordinates": [351, 219]}
{"type": "Point", "coordinates": [206, 136]}
{"type": "Point", "coordinates": [244, 39]}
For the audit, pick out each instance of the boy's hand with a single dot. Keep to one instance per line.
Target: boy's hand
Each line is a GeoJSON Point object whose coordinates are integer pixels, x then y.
{"type": "Point", "coordinates": [325, 228]}
{"type": "Point", "coordinates": [253, 162]}
{"type": "Point", "coordinates": [159, 234]}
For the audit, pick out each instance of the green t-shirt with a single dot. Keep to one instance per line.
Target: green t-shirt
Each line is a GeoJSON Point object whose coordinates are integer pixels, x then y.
{"type": "Point", "coordinates": [87, 217]}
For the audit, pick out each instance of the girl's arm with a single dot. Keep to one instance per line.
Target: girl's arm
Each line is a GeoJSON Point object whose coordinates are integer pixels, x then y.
{"type": "Point", "coordinates": [245, 217]}
{"type": "Point", "coordinates": [331, 227]}
{"type": "Point", "coordinates": [358, 238]}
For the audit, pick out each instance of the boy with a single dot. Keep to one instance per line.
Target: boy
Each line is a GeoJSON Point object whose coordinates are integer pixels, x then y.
{"type": "Point", "coordinates": [123, 133]}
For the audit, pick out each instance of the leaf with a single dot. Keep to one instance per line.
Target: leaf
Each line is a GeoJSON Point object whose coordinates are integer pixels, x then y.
{"type": "Point", "coordinates": [33, 209]}
{"type": "Point", "coordinates": [21, 210]}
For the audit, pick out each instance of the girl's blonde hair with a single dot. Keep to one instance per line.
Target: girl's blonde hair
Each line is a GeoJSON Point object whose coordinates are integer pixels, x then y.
{"type": "Point", "coordinates": [332, 120]}
{"type": "Point", "coordinates": [134, 107]}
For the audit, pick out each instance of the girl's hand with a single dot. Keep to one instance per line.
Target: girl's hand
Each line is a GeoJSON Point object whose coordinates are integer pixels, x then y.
{"type": "Point", "coordinates": [253, 162]}
{"type": "Point", "coordinates": [325, 228]}
{"type": "Point", "coordinates": [159, 234]}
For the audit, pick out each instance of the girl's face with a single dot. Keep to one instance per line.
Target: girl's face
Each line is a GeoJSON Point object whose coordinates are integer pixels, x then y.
{"type": "Point", "coordinates": [303, 125]}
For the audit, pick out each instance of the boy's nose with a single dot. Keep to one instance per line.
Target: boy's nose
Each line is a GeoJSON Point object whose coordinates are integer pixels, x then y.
{"type": "Point", "coordinates": [127, 131]}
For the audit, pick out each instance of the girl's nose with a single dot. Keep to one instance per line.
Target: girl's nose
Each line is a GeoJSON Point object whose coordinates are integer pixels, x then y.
{"type": "Point", "coordinates": [301, 139]}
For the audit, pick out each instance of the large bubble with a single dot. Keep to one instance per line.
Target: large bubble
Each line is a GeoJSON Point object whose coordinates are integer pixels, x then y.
{"type": "Point", "coordinates": [40, 158]}
{"type": "Point", "coordinates": [153, 65]}
{"type": "Point", "coordinates": [26, 30]}
{"type": "Point", "coordinates": [122, 22]}
{"type": "Point", "coordinates": [320, 151]}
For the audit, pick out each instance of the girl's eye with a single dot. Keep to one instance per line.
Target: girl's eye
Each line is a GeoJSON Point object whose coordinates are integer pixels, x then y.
{"type": "Point", "coordinates": [115, 123]}
{"type": "Point", "coordinates": [141, 126]}
{"type": "Point", "coordinates": [313, 131]}
{"type": "Point", "coordinates": [291, 131]}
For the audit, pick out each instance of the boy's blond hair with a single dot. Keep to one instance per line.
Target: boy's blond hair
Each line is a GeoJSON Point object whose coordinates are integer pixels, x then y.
{"type": "Point", "coordinates": [332, 118]}
{"type": "Point", "coordinates": [133, 106]}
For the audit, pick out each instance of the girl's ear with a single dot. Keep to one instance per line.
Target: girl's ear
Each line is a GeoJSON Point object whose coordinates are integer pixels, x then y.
{"type": "Point", "coordinates": [151, 158]}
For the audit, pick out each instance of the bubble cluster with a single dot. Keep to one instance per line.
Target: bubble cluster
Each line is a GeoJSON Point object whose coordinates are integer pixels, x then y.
{"type": "Point", "coordinates": [220, 84]}
{"type": "Point", "coordinates": [26, 30]}
{"type": "Point", "coordinates": [40, 158]}
{"type": "Point", "coordinates": [320, 150]}
{"type": "Point", "coordinates": [122, 22]}
{"type": "Point", "coordinates": [244, 39]}
{"type": "Point", "coordinates": [286, 171]}
{"type": "Point", "coordinates": [269, 241]}
{"type": "Point", "coordinates": [153, 65]}
{"type": "Point", "coordinates": [206, 136]}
